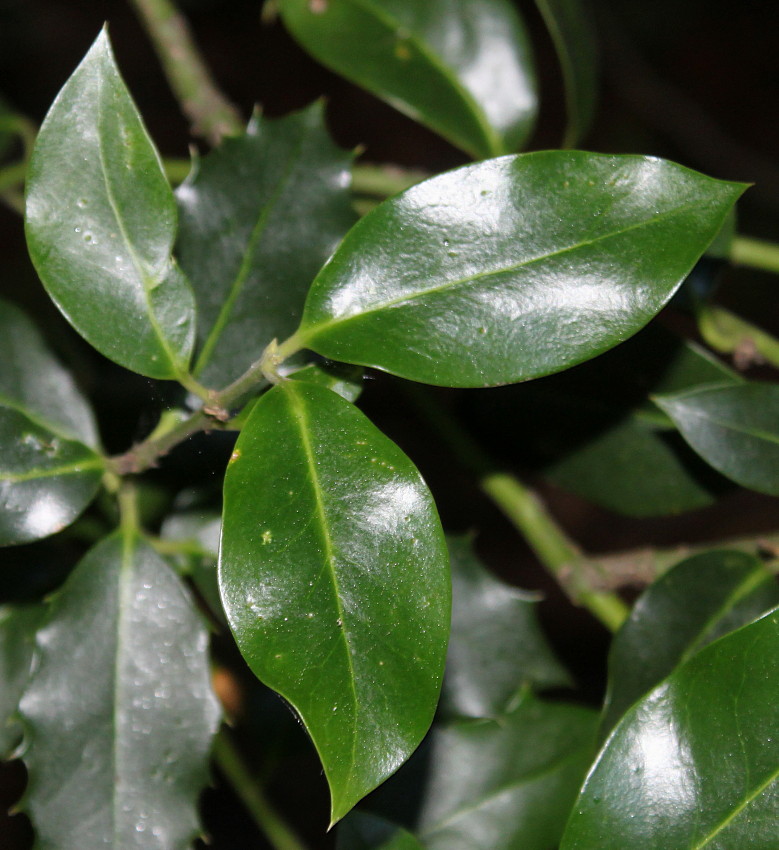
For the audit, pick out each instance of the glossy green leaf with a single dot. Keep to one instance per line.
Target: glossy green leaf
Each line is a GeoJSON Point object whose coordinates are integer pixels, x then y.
{"type": "Point", "coordinates": [197, 534]}
{"type": "Point", "coordinates": [101, 221]}
{"type": "Point", "coordinates": [33, 382]}
{"type": "Point", "coordinates": [695, 764]}
{"type": "Point", "coordinates": [361, 831]}
{"type": "Point", "coordinates": [47, 473]}
{"type": "Point", "coordinates": [461, 67]}
{"type": "Point", "coordinates": [339, 377]}
{"type": "Point", "coordinates": [512, 268]}
{"type": "Point", "coordinates": [119, 712]}
{"type": "Point", "coordinates": [509, 783]}
{"type": "Point", "coordinates": [696, 602]}
{"type": "Point", "coordinates": [496, 646]}
{"type": "Point", "coordinates": [334, 576]}
{"type": "Point", "coordinates": [17, 642]}
{"type": "Point", "coordinates": [634, 466]}
{"type": "Point", "coordinates": [734, 428]}
{"type": "Point", "coordinates": [258, 218]}
{"type": "Point", "coordinates": [45, 480]}
{"type": "Point", "coordinates": [571, 30]}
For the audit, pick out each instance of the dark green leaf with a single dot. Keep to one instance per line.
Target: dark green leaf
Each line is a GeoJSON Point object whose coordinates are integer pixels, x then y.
{"type": "Point", "coordinates": [512, 268]}
{"type": "Point", "coordinates": [507, 783]}
{"type": "Point", "coordinates": [47, 474]}
{"type": "Point", "coordinates": [462, 68]}
{"type": "Point", "coordinates": [695, 764]}
{"type": "Point", "coordinates": [496, 645]}
{"type": "Point", "coordinates": [335, 580]}
{"type": "Point", "coordinates": [696, 602]}
{"type": "Point", "coordinates": [569, 25]}
{"type": "Point", "coordinates": [197, 533]}
{"type": "Point", "coordinates": [361, 831]}
{"type": "Point", "coordinates": [338, 377]}
{"type": "Point", "coordinates": [45, 480]}
{"type": "Point", "coordinates": [17, 641]}
{"type": "Point", "coordinates": [119, 711]}
{"type": "Point", "coordinates": [259, 216]}
{"type": "Point", "coordinates": [100, 224]}
{"type": "Point", "coordinates": [734, 428]}
{"type": "Point", "coordinates": [34, 383]}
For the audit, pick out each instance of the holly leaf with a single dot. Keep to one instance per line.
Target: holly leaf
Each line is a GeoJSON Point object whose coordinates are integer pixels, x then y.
{"type": "Point", "coordinates": [362, 831]}
{"type": "Point", "coordinates": [496, 645]}
{"type": "Point", "coordinates": [334, 577]}
{"type": "Point", "coordinates": [574, 41]}
{"type": "Point", "coordinates": [693, 604]}
{"type": "Point", "coordinates": [119, 712]}
{"type": "Point", "coordinates": [530, 263]}
{"type": "Point", "coordinates": [695, 763]}
{"type": "Point", "coordinates": [463, 69]}
{"type": "Point", "coordinates": [48, 472]}
{"type": "Point", "coordinates": [733, 428]}
{"type": "Point", "coordinates": [258, 217]}
{"type": "Point", "coordinates": [506, 783]}
{"type": "Point", "coordinates": [17, 642]}
{"type": "Point", "coordinates": [100, 224]}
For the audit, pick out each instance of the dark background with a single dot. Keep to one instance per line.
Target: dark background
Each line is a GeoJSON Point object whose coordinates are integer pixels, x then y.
{"type": "Point", "coordinates": [693, 80]}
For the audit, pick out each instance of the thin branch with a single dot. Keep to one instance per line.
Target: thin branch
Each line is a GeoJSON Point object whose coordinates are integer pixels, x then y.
{"type": "Point", "coordinates": [211, 114]}
{"type": "Point", "coordinates": [522, 507]}
{"type": "Point", "coordinates": [755, 253]}
{"type": "Point", "coordinates": [270, 822]}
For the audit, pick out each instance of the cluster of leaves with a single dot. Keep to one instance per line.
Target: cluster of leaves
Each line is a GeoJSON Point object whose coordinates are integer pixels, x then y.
{"type": "Point", "coordinates": [334, 572]}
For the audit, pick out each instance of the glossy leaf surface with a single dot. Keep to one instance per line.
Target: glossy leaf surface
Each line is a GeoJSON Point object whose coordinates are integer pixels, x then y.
{"type": "Point", "coordinates": [334, 576]}
{"type": "Point", "coordinates": [694, 603]}
{"type": "Point", "coordinates": [361, 831]}
{"type": "Point", "coordinates": [496, 645]}
{"type": "Point", "coordinates": [33, 381]}
{"type": "Point", "coordinates": [574, 41]}
{"type": "Point", "coordinates": [119, 712]}
{"type": "Point", "coordinates": [506, 784]}
{"type": "Point", "coordinates": [17, 641]}
{"type": "Point", "coordinates": [734, 428]}
{"type": "Point", "coordinates": [695, 764]}
{"type": "Point", "coordinates": [345, 380]}
{"type": "Point", "coordinates": [258, 218]}
{"type": "Point", "coordinates": [101, 220]}
{"type": "Point", "coordinates": [45, 480]}
{"type": "Point", "coordinates": [512, 268]}
{"type": "Point", "coordinates": [461, 67]}
{"type": "Point", "coordinates": [636, 466]}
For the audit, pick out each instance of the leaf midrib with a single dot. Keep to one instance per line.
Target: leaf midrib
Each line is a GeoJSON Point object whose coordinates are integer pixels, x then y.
{"type": "Point", "coordinates": [307, 333]}
{"type": "Point", "coordinates": [490, 136]}
{"type": "Point", "coordinates": [300, 416]}
{"type": "Point", "coordinates": [725, 822]}
{"type": "Point", "coordinates": [124, 594]}
{"type": "Point", "coordinates": [553, 767]}
{"type": "Point", "coordinates": [747, 431]}
{"type": "Point", "coordinates": [147, 281]}
{"type": "Point", "coordinates": [255, 238]}
{"type": "Point", "coordinates": [68, 469]}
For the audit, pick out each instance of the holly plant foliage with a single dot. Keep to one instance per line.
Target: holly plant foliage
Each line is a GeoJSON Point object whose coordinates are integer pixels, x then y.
{"type": "Point", "coordinates": [257, 288]}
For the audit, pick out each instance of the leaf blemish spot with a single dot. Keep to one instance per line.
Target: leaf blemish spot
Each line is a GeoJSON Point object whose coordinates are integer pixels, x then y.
{"type": "Point", "coordinates": [234, 456]}
{"type": "Point", "coordinates": [267, 537]}
{"type": "Point", "coordinates": [317, 7]}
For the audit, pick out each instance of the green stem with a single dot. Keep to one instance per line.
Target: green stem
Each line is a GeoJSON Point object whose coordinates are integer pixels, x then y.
{"type": "Point", "coordinates": [755, 253]}
{"type": "Point", "coordinates": [129, 520]}
{"type": "Point", "coordinates": [527, 514]}
{"type": "Point", "coordinates": [12, 176]}
{"type": "Point", "coordinates": [280, 836]}
{"type": "Point", "coordinates": [212, 116]}
{"type": "Point", "coordinates": [381, 181]}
